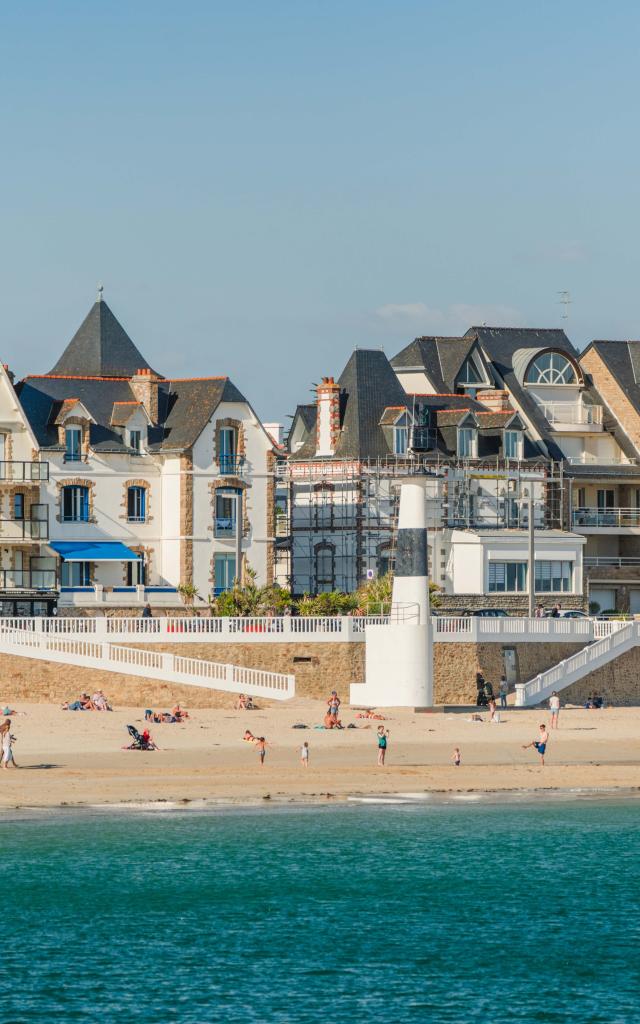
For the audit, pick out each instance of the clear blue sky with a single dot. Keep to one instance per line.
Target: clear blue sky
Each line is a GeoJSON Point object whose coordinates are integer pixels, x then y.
{"type": "Point", "coordinates": [263, 186]}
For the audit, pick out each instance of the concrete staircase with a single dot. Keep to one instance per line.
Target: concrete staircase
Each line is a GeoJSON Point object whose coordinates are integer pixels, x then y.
{"type": "Point", "coordinates": [137, 661]}
{"type": "Point", "coordinates": [579, 665]}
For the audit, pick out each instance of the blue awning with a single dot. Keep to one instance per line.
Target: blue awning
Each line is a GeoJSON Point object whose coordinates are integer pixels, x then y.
{"type": "Point", "coordinates": [93, 551]}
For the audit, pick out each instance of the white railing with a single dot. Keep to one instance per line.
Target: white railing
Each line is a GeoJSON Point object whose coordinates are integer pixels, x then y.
{"type": "Point", "coordinates": [603, 517]}
{"type": "Point", "coordinates": [611, 562]}
{"type": "Point", "coordinates": [88, 652]}
{"type": "Point", "coordinates": [175, 629]}
{"type": "Point", "coordinates": [570, 670]}
{"type": "Point", "coordinates": [571, 413]}
{"type": "Point", "coordinates": [586, 459]}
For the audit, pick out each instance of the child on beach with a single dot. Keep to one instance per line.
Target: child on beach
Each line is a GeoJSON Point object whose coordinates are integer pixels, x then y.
{"type": "Point", "coordinates": [261, 747]}
{"type": "Point", "coordinates": [554, 708]}
{"type": "Point", "coordinates": [456, 757]}
{"type": "Point", "coordinates": [304, 755]}
{"type": "Point", "coordinates": [540, 744]}
{"type": "Point", "coordinates": [382, 737]}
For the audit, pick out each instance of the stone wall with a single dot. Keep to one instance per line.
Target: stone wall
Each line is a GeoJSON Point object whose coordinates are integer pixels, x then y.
{"type": "Point", "coordinates": [619, 681]}
{"type": "Point", "coordinates": [318, 668]}
{"type": "Point", "coordinates": [515, 604]}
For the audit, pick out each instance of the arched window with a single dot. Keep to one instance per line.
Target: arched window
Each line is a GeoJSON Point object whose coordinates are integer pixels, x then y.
{"type": "Point", "coordinates": [325, 568]}
{"type": "Point", "coordinates": [551, 368]}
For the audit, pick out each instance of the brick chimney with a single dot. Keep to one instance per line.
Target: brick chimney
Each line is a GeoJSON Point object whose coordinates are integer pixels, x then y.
{"type": "Point", "coordinates": [327, 416]}
{"type": "Point", "coordinates": [494, 400]}
{"type": "Point", "coordinates": [145, 387]}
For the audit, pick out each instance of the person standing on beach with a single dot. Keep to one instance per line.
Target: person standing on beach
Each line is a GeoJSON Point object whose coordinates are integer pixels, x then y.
{"type": "Point", "coordinates": [383, 738]}
{"type": "Point", "coordinates": [456, 757]}
{"type": "Point", "coordinates": [304, 754]}
{"type": "Point", "coordinates": [7, 759]}
{"type": "Point", "coordinates": [540, 744]}
{"type": "Point", "coordinates": [554, 708]}
{"type": "Point", "coordinates": [261, 747]}
{"type": "Point", "coordinates": [503, 690]}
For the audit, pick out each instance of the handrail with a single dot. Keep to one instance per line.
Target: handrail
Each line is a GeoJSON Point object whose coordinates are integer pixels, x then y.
{"type": "Point", "coordinates": [571, 669]}
{"type": "Point", "coordinates": [603, 517]}
{"type": "Point", "coordinates": [92, 653]}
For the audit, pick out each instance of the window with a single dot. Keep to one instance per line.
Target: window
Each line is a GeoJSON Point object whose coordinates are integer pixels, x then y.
{"type": "Point", "coordinates": [227, 447]}
{"type": "Point", "coordinates": [76, 574]}
{"type": "Point", "coordinates": [136, 504]}
{"type": "Point", "coordinates": [554, 577]}
{"type": "Point", "coordinates": [512, 444]}
{"type": "Point", "coordinates": [507, 577]}
{"type": "Point", "coordinates": [43, 572]}
{"type": "Point", "coordinates": [136, 573]}
{"type": "Point", "coordinates": [325, 570]}
{"type": "Point", "coordinates": [606, 499]}
{"type": "Point", "coordinates": [73, 444]}
{"type": "Point", "coordinates": [226, 512]}
{"type": "Point", "coordinates": [75, 504]}
{"type": "Point", "coordinates": [467, 442]}
{"type": "Point", "coordinates": [18, 506]}
{"type": "Point", "coordinates": [224, 572]}
{"type": "Point", "coordinates": [323, 506]}
{"type": "Point", "coordinates": [551, 368]}
{"type": "Point", "coordinates": [400, 440]}
{"type": "Point", "coordinates": [470, 374]}
{"type": "Point", "coordinates": [135, 440]}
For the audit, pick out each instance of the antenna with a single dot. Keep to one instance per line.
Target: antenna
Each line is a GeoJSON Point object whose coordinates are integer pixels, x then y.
{"type": "Point", "coordinates": [565, 301]}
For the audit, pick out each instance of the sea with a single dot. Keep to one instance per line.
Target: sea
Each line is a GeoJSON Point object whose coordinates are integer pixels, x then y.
{"type": "Point", "coordinates": [459, 911]}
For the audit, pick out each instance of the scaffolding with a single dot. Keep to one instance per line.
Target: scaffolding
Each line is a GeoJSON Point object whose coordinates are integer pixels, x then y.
{"type": "Point", "coordinates": [336, 520]}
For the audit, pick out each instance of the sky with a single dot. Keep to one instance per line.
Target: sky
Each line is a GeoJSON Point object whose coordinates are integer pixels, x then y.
{"type": "Point", "coordinates": [262, 187]}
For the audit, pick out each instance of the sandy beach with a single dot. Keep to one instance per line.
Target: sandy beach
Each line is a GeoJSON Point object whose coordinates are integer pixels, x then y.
{"type": "Point", "coordinates": [76, 758]}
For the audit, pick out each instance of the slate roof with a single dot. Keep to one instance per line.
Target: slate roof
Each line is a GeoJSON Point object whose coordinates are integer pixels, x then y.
{"type": "Point", "coordinates": [441, 357]}
{"type": "Point", "coordinates": [368, 386]}
{"type": "Point", "coordinates": [184, 408]}
{"type": "Point", "coordinates": [100, 348]}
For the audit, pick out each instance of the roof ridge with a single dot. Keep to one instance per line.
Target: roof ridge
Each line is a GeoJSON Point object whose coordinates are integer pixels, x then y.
{"type": "Point", "coordinates": [177, 380]}
{"type": "Point", "coordinates": [70, 376]}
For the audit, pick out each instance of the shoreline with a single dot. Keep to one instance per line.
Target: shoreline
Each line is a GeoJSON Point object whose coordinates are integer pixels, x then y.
{"type": "Point", "coordinates": [535, 795]}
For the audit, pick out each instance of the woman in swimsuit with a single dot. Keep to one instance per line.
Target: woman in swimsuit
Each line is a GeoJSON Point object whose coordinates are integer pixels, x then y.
{"type": "Point", "coordinates": [540, 744]}
{"type": "Point", "coordinates": [382, 737]}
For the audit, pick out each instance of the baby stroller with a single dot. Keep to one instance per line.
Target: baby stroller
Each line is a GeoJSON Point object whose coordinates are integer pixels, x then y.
{"type": "Point", "coordinates": [139, 742]}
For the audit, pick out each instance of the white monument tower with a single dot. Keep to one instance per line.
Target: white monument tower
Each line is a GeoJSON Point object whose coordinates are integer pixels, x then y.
{"type": "Point", "coordinates": [399, 656]}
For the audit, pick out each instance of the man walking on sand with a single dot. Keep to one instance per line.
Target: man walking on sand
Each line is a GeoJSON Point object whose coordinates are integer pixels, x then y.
{"type": "Point", "coordinates": [554, 708]}
{"type": "Point", "coordinates": [540, 744]}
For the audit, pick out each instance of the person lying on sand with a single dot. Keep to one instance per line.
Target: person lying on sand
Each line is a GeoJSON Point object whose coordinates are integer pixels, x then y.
{"type": "Point", "coordinates": [179, 713]}
{"type": "Point", "coordinates": [249, 737]}
{"type": "Point", "coordinates": [370, 714]}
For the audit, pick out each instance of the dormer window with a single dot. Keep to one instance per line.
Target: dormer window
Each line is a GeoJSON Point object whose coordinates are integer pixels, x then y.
{"type": "Point", "coordinates": [471, 377]}
{"type": "Point", "coordinates": [135, 440]}
{"type": "Point", "coordinates": [401, 436]}
{"type": "Point", "coordinates": [551, 368]}
{"type": "Point", "coordinates": [467, 442]}
{"type": "Point", "coordinates": [513, 444]}
{"type": "Point", "coordinates": [73, 444]}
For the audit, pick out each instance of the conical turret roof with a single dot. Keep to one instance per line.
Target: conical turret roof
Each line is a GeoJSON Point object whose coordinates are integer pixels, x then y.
{"type": "Point", "coordinates": [100, 348]}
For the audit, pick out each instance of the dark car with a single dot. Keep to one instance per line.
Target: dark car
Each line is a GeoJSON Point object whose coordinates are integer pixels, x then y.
{"type": "Point", "coordinates": [487, 613]}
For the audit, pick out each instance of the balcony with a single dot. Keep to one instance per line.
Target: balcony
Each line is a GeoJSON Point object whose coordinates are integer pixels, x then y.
{"type": "Point", "coordinates": [610, 561]}
{"type": "Point", "coordinates": [595, 460]}
{"type": "Point", "coordinates": [231, 465]}
{"type": "Point", "coordinates": [24, 579]}
{"type": "Point", "coordinates": [572, 416]}
{"type": "Point", "coordinates": [283, 525]}
{"type": "Point", "coordinates": [224, 526]}
{"type": "Point", "coordinates": [24, 529]}
{"type": "Point", "coordinates": [606, 518]}
{"type": "Point", "coordinates": [16, 472]}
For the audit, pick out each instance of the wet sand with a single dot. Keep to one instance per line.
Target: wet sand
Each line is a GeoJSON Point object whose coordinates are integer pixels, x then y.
{"type": "Point", "coordinates": [76, 758]}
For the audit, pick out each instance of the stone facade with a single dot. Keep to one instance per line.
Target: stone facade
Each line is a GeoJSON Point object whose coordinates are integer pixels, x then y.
{"type": "Point", "coordinates": [608, 387]}
{"type": "Point", "coordinates": [186, 518]}
{"type": "Point", "coordinates": [619, 681]}
{"type": "Point", "coordinates": [515, 604]}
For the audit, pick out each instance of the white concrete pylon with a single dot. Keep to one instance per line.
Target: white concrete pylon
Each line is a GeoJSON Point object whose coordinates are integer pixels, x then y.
{"type": "Point", "coordinates": [411, 580]}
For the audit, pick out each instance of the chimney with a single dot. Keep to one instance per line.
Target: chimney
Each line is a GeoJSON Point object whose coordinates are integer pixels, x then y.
{"type": "Point", "coordinates": [144, 385]}
{"type": "Point", "coordinates": [494, 400]}
{"type": "Point", "coordinates": [274, 430]}
{"type": "Point", "coordinates": [328, 416]}
{"type": "Point", "coordinates": [10, 374]}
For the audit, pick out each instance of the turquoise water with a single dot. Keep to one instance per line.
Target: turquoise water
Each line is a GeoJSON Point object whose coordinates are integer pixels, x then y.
{"type": "Point", "coordinates": [337, 914]}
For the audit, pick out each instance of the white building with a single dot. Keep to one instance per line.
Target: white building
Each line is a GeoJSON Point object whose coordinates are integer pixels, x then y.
{"type": "Point", "coordinates": [153, 483]}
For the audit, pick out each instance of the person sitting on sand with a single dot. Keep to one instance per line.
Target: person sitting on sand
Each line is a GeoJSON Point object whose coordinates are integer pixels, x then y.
{"type": "Point", "coordinates": [179, 713]}
{"type": "Point", "coordinates": [241, 703]}
{"type": "Point", "coordinates": [540, 744]}
{"type": "Point", "coordinates": [148, 742]}
{"type": "Point", "coordinates": [87, 703]}
{"type": "Point", "coordinates": [100, 702]}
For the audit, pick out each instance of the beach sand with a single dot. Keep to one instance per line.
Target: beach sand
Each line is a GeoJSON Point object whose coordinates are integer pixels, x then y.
{"type": "Point", "coordinates": [76, 758]}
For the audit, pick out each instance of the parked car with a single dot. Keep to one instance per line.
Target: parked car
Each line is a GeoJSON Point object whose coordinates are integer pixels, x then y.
{"type": "Point", "coordinates": [567, 613]}
{"type": "Point", "coordinates": [487, 613]}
